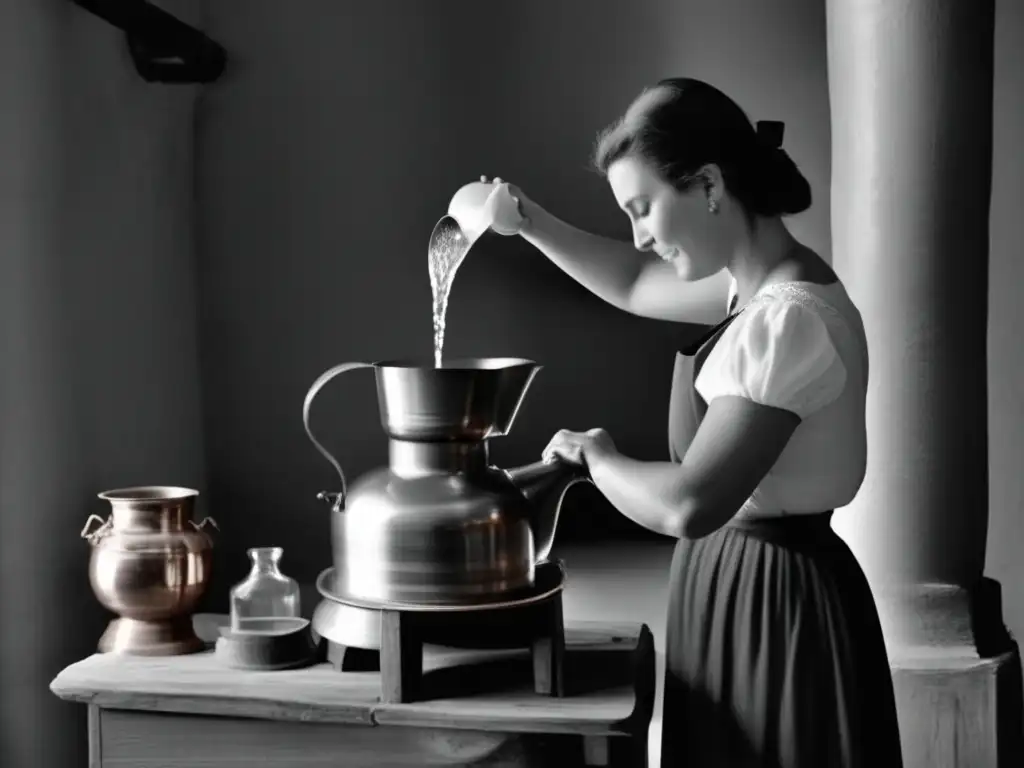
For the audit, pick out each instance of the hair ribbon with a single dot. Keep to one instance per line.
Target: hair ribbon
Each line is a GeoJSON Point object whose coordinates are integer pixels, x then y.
{"type": "Point", "coordinates": [769, 133]}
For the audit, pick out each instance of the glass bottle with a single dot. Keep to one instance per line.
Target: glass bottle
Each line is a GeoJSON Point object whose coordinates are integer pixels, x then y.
{"type": "Point", "coordinates": [266, 596]}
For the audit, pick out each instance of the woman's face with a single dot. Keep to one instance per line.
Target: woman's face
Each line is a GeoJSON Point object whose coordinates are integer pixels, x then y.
{"type": "Point", "coordinates": [677, 226]}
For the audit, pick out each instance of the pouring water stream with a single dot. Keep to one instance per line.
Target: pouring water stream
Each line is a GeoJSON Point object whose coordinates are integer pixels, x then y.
{"type": "Point", "coordinates": [471, 212]}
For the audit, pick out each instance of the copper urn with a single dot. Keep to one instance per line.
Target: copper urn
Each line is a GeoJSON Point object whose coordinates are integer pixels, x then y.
{"type": "Point", "coordinates": [150, 564]}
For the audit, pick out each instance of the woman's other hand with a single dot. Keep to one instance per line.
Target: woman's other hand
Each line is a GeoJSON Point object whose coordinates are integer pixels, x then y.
{"type": "Point", "coordinates": [579, 448]}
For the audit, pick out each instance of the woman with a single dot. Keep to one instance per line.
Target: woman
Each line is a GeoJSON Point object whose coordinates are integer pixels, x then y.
{"type": "Point", "coordinates": [774, 652]}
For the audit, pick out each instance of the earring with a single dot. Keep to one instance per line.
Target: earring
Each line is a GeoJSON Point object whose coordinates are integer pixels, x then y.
{"type": "Point", "coordinates": [712, 205]}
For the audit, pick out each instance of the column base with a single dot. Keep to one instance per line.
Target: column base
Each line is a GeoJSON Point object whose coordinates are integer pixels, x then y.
{"type": "Point", "coordinates": [961, 713]}
{"type": "Point", "coordinates": [942, 621]}
{"type": "Point", "coordinates": [956, 672]}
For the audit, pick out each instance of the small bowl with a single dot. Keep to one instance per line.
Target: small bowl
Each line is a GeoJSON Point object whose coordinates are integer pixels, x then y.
{"type": "Point", "coordinates": [276, 644]}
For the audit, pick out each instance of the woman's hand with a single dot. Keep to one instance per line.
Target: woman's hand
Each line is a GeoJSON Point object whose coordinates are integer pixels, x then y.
{"type": "Point", "coordinates": [581, 448]}
{"type": "Point", "coordinates": [505, 207]}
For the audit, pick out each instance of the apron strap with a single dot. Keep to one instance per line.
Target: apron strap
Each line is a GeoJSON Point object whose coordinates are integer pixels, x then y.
{"type": "Point", "coordinates": [686, 407]}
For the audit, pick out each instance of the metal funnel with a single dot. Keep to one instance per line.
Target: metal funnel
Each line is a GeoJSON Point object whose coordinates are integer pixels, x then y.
{"type": "Point", "coordinates": [466, 399]}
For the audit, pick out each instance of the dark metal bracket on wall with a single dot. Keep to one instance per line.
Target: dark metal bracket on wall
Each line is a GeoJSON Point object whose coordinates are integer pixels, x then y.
{"type": "Point", "coordinates": [163, 48]}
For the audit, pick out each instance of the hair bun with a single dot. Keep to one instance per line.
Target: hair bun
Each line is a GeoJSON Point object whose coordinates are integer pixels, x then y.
{"type": "Point", "coordinates": [682, 124]}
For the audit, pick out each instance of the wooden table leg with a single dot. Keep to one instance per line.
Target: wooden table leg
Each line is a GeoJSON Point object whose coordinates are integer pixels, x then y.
{"type": "Point", "coordinates": [548, 651]}
{"type": "Point", "coordinates": [615, 751]}
{"type": "Point", "coordinates": [401, 657]}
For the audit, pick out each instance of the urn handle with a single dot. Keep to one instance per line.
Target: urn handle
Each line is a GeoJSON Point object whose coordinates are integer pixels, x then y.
{"type": "Point", "coordinates": [205, 522]}
{"type": "Point", "coordinates": [337, 500]}
{"type": "Point", "coordinates": [92, 535]}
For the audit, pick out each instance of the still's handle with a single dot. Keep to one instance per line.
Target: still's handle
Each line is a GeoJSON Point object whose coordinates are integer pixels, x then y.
{"type": "Point", "coordinates": [337, 499]}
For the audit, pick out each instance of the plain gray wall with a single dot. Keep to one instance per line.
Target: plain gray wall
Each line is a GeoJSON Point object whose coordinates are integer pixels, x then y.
{"type": "Point", "coordinates": [1006, 318]}
{"type": "Point", "coordinates": [99, 363]}
{"type": "Point", "coordinates": [322, 160]}
{"type": "Point", "coordinates": [99, 380]}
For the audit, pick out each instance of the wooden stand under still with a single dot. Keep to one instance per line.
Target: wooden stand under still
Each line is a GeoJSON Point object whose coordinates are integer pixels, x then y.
{"type": "Point", "coordinates": [404, 634]}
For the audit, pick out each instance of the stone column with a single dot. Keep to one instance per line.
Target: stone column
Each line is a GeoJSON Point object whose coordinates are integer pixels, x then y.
{"type": "Point", "coordinates": [910, 86]}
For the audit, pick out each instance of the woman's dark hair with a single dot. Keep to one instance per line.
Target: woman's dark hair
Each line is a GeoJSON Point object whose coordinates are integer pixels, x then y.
{"type": "Point", "coordinates": [681, 124]}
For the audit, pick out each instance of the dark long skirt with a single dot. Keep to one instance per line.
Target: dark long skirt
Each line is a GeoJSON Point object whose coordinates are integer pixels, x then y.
{"type": "Point", "coordinates": [774, 653]}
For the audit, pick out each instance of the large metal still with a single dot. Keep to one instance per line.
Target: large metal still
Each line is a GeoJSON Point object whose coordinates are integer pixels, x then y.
{"type": "Point", "coordinates": [440, 525]}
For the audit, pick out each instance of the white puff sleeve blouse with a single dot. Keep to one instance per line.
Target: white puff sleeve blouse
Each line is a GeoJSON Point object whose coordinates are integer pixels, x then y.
{"type": "Point", "coordinates": [801, 347]}
{"type": "Point", "coordinates": [776, 353]}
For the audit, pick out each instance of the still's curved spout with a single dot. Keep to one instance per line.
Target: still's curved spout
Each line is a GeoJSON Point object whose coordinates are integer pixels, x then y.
{"type": "Point", "coordinates": [544, 484]}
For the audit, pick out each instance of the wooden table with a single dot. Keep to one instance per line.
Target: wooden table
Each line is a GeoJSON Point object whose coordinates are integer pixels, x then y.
{"type": "Point", "coordinates": [179, 711]}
